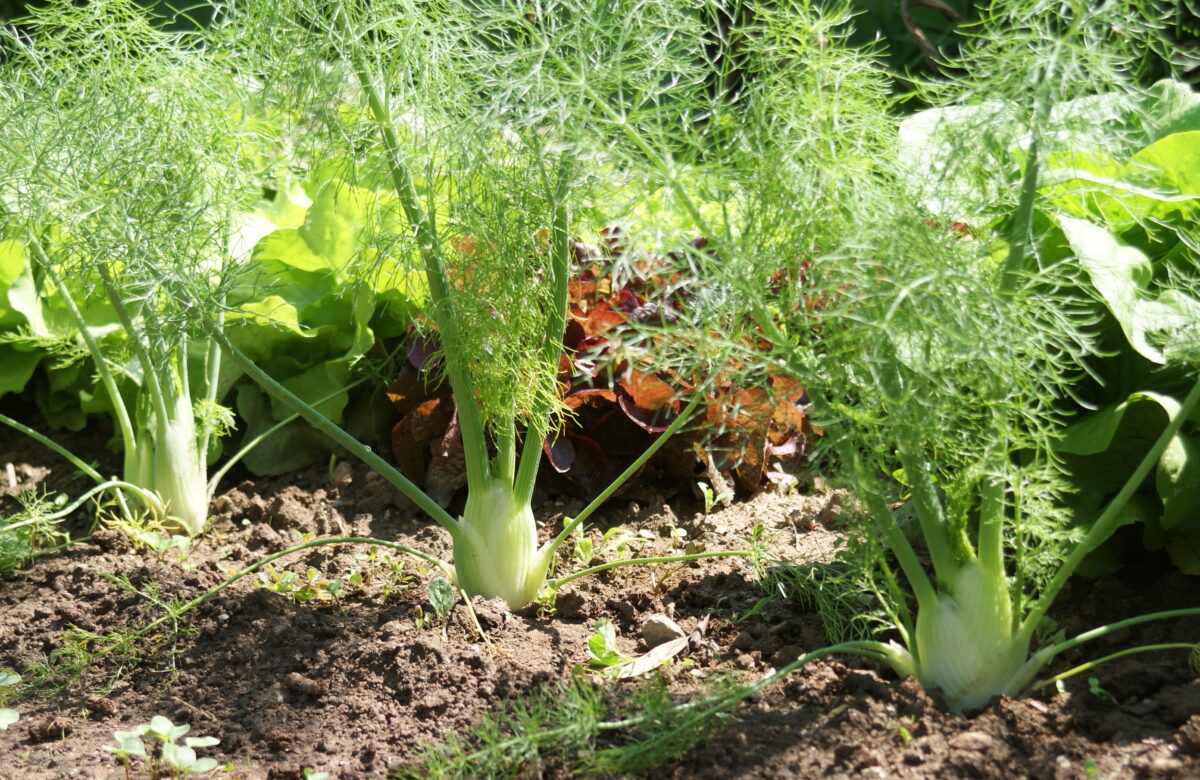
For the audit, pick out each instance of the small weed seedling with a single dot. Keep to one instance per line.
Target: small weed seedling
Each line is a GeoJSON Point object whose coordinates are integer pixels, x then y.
{"type": "Point", "coordinates": [309, 589]}
{"type": "Point", "coordinates": [395, 578]}
{"type": "Point", "coordinates": [1098, 691]}
{"type": "Point", "coordinates": [711, 499]}
{"type": "Point", "coordinates": [583, 550]}
{"type": "Point", "coordinates": [175, 759]}
{"type": "Point", "coordinates": [8, 716]}
{"type": "Point", "coordinates": [162, 543]}
{"type": "Point", "coordinates": [442, 597]}
{"type": "Point", "coordinates": [759, 606]}
{"type": "Point", "coordinates": [620, 543]}
{"type": "Point", "coordinates": [603, 655]}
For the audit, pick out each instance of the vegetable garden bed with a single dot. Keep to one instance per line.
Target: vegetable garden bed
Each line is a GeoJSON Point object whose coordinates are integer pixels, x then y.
{"type": "Point", "coordinates": [415, 352]}
{"type": "Point", "coordinates": [354, 687]}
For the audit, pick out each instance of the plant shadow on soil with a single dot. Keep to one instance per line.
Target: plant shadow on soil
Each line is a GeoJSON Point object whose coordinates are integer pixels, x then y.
{"type": "Point", "coordinates": [351, 686]}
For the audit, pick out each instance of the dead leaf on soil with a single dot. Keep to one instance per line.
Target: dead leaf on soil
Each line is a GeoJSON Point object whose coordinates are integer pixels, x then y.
{"type": "Point", "coordinates": [658, 655]}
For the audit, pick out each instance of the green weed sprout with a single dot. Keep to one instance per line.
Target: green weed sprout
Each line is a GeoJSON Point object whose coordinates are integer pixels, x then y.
{"type": "Point", "coordinates": [179, 758]}
{"type": "Point", "coordinates": [442, 597]}
{"type": "Point", "coordinates": [603, 654]}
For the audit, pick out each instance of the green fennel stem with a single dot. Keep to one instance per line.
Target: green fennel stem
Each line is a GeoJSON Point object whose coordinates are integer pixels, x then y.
{"type": "Point", "coordinates": [46, 441]}
{"type": "Point", "coordinates": [124, 423]}
{"type": "Point", "coordinates": [470, 421]}
{"type": "Point", "coordinates": [1111, 516]}
{"type": "Point", "coordinates": [556, 324]}
{"type": "Point", "coordinates": [335, 432]}
{"type": "Point", "coordinates": [1110, 657]}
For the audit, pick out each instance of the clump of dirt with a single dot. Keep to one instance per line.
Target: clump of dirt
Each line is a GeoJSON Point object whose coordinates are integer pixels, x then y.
{"type": "Point", "coordinates": [292, 671]}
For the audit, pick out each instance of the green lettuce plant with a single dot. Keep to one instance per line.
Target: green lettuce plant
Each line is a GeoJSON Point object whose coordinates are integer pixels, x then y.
{"type": "Point", "coordinates": [1128, 227]}
{"type": "Point", "coordinates": [316, 302]}
{"type": "Point", "coordinates": [18, 361]}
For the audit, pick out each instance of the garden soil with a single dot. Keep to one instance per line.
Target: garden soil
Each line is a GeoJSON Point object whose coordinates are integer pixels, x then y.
{"type": "Point", "coordinates": [351, 686]}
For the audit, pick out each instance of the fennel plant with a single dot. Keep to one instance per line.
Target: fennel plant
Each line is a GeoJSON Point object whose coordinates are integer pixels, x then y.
{"type": "Point", "coordinates": [940, 359]}
{"type": "Point", "coordinates": [990, 504]}
{"type": "Point", "coordinates": [490, 124]}
{"type": "Point", "coordinates": [121, 163]}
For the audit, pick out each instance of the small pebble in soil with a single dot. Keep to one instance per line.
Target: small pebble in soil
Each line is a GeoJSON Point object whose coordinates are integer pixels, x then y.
{"type": "Point", "coordinates": [659, 629]}
{"type": "Point", "coordinates": [298, 683]}
{"type": "Point", "coordinates": [976, 741]}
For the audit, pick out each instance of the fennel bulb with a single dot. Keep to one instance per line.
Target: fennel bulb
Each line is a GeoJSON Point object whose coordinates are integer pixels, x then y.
{"type": "Point", "coordinates": [495, 547]}
{"type": "Point", "coordinates": [965, 642]}
{"type": "Point", "coordinates": [170, 465]}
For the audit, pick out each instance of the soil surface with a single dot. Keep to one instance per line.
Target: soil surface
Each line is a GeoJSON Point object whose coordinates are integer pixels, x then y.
{"type": "Point", "coordinates": [297, 674]}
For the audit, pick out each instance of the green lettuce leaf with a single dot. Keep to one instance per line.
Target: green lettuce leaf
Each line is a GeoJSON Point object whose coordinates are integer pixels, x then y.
{"type": "Point", "coordinates": [1123, 277]}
